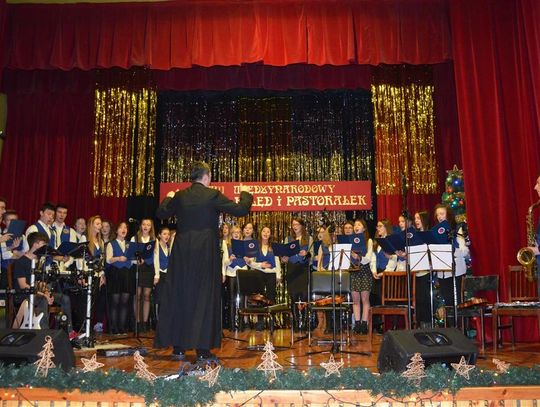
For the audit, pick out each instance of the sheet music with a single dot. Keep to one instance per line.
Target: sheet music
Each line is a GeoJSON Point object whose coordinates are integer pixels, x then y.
{"type": "Point", "coordinates": [418, 257]}
{"type": "Point", "coordinates": [441, 256]}
{"type": "Point", "coordinates": [340, 256]}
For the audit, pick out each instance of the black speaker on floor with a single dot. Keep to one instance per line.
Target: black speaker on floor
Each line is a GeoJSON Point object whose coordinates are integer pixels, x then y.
{"type": "Point", "coordinates": [21, 346]}
{"type": "Point", "coordinates": [438, 345]}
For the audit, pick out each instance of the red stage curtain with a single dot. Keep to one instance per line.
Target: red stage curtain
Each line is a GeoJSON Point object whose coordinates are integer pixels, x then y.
{"type": "Point", "coordinates": [497, 67]}
{"type": "Point", "coordinates": [47, 155]}
{"type": "Point", "coordinates": [3, 15]}
{"type": "Point", "coordinates": [218, 78]}
{"type": "Point", "coordinates": [183, 34]}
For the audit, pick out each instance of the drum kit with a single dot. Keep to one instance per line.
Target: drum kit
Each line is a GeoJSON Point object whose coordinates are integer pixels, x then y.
{"type": "Point", "coordinates": [72, 269]}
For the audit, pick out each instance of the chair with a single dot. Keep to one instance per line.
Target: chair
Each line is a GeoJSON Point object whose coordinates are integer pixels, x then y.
{"type": "Point", "coordinates": [393, 298]}
{"type": "Point", "coordinates": [519, 289]}
{"type": "Point", "coordinates": [321, 285]}
{"type": "Point", "coordinates": [475, 288]}
{"type": "Point", "coordinates": [250, 283]}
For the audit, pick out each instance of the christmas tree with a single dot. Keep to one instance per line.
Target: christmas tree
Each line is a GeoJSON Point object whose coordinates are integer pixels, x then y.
{"type": "Point", "coordinates": [454, 195]}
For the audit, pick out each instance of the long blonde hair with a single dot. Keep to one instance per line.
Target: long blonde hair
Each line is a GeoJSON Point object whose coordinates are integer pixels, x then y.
{"type": "Point", "coordinates": [95, 240]}
{"type": "Point", "coordinates": [151, 233]}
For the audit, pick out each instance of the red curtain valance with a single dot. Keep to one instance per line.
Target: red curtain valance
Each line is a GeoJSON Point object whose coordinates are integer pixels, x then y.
{"type": "Point", "coordinates": [183, 34]}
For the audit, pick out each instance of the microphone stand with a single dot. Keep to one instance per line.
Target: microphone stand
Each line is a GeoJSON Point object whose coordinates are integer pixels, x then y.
{"type": "Point", "coordinates": [452, 237]}
{"type": "Point", "coordinates": [405, 214]}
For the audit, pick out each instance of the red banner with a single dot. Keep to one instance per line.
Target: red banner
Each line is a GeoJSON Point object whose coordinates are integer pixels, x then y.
{"type": "Point", "coordinates": [294, 196]}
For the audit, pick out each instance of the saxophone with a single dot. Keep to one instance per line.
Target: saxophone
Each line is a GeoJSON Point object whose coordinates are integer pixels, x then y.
{"type": "Point", "coordinates": [525, 256]}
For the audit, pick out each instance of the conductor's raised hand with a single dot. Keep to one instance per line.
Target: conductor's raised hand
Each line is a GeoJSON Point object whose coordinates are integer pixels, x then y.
{"type": "Point", "coordinates": [171, 194]}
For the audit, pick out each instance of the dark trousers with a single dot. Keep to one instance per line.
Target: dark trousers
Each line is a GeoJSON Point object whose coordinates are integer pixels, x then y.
{"type": "Point", "coordinates": [447, 292]}
{"type": "Point", "coordinates": [423, 309]}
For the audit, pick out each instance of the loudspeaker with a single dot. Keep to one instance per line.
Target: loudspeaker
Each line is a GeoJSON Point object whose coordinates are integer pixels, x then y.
{"type": "Point", "coordinates": [21, 346]}
{"type": "Point", "coordinates": [444, 345]}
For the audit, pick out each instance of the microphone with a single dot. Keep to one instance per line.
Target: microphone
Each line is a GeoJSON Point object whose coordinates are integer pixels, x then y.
{"type": "Point", "coordinates": [133, 220]}
{"type": "Point", "coordinates": [404, 186]}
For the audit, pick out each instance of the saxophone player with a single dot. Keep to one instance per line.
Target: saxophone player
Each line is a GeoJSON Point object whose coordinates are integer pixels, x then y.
{"type": "Point", "coordinates": [534, 248]}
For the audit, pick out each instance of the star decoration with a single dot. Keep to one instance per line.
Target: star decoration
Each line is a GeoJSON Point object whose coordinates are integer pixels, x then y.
{"type": "Point", "coordinates": [502, 366]}
{"type": "Point", "coordinates": [462, 368]}
{"type": "Point", "coordinates": [332, 367]}
{"type": "Point", "coordinates": [91, 364]}
{"type": "Point", "coordinates": [211, 375]}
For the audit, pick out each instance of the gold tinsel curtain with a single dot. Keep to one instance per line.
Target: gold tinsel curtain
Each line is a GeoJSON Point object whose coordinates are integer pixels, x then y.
{"type": "Point", "coordinates": [404, 137]}
{"type": "Point", "coordinates": [124, 142]}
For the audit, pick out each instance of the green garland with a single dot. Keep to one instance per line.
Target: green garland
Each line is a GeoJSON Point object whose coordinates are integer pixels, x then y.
{"type": "Point", "coordinates": [191, 391]}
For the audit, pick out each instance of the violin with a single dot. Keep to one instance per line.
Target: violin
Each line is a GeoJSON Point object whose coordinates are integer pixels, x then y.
{"type": "Point", "coordinates": [327, 301]}
{"type": "Point", "coordinates": [260, 299]}
{"type": "Point", "coordinates": [472, 302]}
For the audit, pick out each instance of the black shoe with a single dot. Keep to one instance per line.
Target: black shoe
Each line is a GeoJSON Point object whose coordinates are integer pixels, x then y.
{"type": "Point", "coordinates": [363, 328]}
{"type": "Point", "coordinates": [203, 354]}
{"type": "Point", "coordinates": [356, 328]}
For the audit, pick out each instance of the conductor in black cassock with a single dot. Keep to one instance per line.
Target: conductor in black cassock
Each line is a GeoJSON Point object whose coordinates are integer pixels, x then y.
{"type": "Point", "coordinates": [190, 312]}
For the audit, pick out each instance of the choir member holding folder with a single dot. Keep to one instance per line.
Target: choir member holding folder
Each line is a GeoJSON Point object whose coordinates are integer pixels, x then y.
{"type": "Point", "coordinates": [119, 282]}
{"type": "Point", "coordinates": [145, 267]}
{"type": "Point", "coordinates": [268, 263]}
{"type": "Point", "coordinates": [230, 265]}
{"type": "Point", "coordinates": [298, 269]}
{"type": "Point", "coordinates": [445, 220]}
{"type": "Point", "coordinates": [362, 279]}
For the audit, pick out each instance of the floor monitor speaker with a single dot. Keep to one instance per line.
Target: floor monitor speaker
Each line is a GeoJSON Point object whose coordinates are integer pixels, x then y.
{"type": "Point", "coordinates": [437, 345]}
{"type": "Point", "coordinates": [22, 346]}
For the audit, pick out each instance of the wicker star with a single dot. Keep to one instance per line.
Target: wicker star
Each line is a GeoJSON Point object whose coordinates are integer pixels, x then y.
{"type": "Point", "coordinates": [462, 368]}
{"type": "Point", "coordinates": [91, 364]}
{"type": "Point", "coordinates": [211, 375]}
{"type": "Point", "coordinates": [332, 367]}
{"type": "Point", "coordinates": [502, 366]}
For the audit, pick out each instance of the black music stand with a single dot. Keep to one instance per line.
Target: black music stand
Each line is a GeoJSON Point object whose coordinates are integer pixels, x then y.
{"type": "Point", "coordinates": [335, 345]}
{"type": "Point", "coordinates": [139, 251]}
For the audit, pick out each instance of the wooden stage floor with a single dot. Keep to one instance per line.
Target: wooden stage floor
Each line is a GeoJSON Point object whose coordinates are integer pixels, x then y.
{"type": "Point", "coordinates": [233, 354]}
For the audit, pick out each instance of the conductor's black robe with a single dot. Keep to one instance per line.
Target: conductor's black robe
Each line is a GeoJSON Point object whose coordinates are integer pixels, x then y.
{"type": "Point", "coordinates": [190, 310]}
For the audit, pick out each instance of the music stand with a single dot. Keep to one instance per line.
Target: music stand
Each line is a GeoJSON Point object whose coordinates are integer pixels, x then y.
{"type": "Point", "coordinates": [339, 260]}
{"type": "Point", "coordinates": [139, 251]}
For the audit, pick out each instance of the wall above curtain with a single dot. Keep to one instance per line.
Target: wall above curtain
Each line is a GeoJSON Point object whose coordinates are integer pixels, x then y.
{"type": "Point", "coordinates": [183, 34]}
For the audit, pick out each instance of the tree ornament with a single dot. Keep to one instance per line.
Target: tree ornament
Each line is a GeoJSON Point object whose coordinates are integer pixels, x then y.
{"type": "Point", "coordinates": [211, 375]}
{"type": "Point", "coordinates": [44, 363]}
{"type": "Point", "coordinates": [502, 366]}
{"type": "Point", "coordinates": [415, 370]}
{"type": "Point", "coordinates": [269, 364]}
{"type": "Point", "coordinates": [142, 368]}
{"type": "Point", "coordinates": [332, 367]}
{"type": "Point", "coordinates": [462, 368]}
{"type": "Point", "coordinates": [91, 364]}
